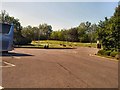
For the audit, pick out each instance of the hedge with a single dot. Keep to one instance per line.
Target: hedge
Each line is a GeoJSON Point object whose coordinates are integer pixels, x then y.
{"type": "Point", "coordinates": [113, 54]}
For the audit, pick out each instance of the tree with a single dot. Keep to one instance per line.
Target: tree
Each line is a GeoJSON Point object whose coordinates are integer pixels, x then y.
{"type": "Point", "coordinates": [109, 31]}
{"type": "Point", "coordinates": [28, 32]}
{"type": "Point", "coordinates": [92, 33]}
{"type": "Point", "coordinates": [116, 27]}
{"type": "Point", "coordinates": [5, 18]}
{"type": "Point", "coordinates": [55, 35]}
{"type": "Point", "coordinates": [82, 33]}
{"type": "Point", "coordinates": [72, 35]}
{"type": "Point", "coordinates": [45, 30]}
{"type": "Point", "coordinates": [42, 32]}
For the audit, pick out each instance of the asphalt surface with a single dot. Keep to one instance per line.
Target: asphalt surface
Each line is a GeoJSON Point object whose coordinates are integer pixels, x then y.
{"type": "Point", "coordinates": [58, 68]}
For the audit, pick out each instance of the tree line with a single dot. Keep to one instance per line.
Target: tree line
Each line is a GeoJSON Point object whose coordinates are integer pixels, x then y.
{"type": "Point", "coordinates": [42, 32]}
{"type": "Point", "coordinates": [107, 31]}
{"type": "Point", "coordinates": [85, 32]}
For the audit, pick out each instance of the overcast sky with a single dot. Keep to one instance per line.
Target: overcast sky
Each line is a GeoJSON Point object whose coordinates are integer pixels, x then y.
{"type": "Point", "coordinates": [59, 14]}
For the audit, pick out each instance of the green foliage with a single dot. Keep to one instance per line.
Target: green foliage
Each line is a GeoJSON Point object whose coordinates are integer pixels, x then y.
{"type": "Point", "coordinates": [104, 52]}
{"type": "Point", "coordinates": [22, 41]}
{"type": "Point", "coordinates": [117, 56]}
{"type": "Point", "coordinates": [107, 53]}
{"type": "Point", "coordinates": [85, 33]}
{"type": "Point", "coordinates": [56, 43]}
{"type": "Point", "coordinates": [101, 52]}
{"type": "Point", "coordinates": [18, 38]}
{"type": "Point", "coordinates": [109, 31]}
{"type": "Point", "coordinates": [72, 35]}
{"type": "Point", "coordinates": [45, 30]}
{"type": "Point", "coordinates": [42, 32]}
{"type": "Point", "coordinates": [113, 54]}
{"type": "Point", "coordinates": [58, 35]}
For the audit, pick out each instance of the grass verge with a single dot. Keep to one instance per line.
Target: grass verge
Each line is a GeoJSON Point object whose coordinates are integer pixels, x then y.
{"type": "Point", "coordinates": [62, 44]}
{"type": "Point", "coordinates": [53, 44]}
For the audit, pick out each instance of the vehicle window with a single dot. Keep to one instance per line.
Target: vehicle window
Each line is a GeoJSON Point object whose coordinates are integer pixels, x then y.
{"type": "Point", "coordinates": [4, 28]}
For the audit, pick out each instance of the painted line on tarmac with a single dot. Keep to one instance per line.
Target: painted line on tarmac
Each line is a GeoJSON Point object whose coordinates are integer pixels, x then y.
{"type": "Point", "coordinates": [1, 88]}
{"type": "Point", "coordinates": [17, 57]}
{"type": "Point", "coordinates": [104, 58]}
{"type": "Point", "coordinates": [69, 51]}
{"type": "Point", "coordinates": [8, 65]}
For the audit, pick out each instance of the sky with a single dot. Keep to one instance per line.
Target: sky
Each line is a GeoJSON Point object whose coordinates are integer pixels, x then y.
{"type": "Point", "coordinates": [59, 14]}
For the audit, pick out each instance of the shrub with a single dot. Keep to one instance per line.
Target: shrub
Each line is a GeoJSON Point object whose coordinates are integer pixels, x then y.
{"type": "Point", "coordinates": [22, 41]}
{"type": "Point", "coordinates": [101, 52]}
{"type": "Point", "coordinates": [107, 53]}
{"type": "Point", "coordinates": [117, 56]}
{"type": "Point", "coordinates": [113, 54]}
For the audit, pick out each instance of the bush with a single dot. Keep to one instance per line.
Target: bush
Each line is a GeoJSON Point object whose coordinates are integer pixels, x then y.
{"type": "Point", "coordinates": [22, 41]}
{"type": "Point", "coordinates": [117, 56]}
{"type": "Point", "coordinates": [104, 52]}
{"type": "Point", "coordinates": [101, 52]}
{"type": "Point", "coordinates": [107, 53]}
{"type": "Point", "coordinates": [113, 54]}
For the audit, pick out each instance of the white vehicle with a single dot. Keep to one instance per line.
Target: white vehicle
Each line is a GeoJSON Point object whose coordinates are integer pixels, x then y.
{"type": "Point", "coordinates": [6, 37]}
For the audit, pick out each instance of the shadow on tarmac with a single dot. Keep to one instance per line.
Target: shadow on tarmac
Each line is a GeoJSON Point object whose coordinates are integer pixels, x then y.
{"type": "Point", "coordinates": [46, 48]}
{"type": "Point", "coordinates": [9, 54]}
